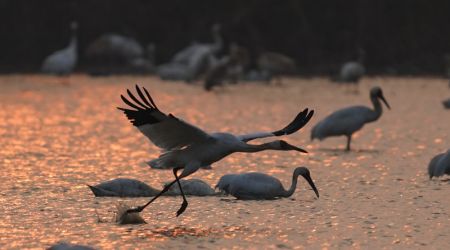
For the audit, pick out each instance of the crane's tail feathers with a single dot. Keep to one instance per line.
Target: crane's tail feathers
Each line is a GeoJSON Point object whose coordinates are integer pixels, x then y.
{"type": "Point", "coordinates": [299, 122]}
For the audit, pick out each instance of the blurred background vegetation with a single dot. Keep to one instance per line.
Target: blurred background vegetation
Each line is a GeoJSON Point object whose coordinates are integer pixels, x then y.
{"type": "Point", "coordinates": [398, 36]}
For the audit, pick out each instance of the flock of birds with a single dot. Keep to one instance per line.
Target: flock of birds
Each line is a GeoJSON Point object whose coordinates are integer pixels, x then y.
{"type": "Point", "coordinates": [113, 53]}
{"type": "Point", "coordinates": [187, 148]}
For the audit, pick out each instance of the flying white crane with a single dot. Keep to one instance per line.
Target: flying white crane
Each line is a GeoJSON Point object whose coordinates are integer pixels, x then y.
{"type": "Point", "coordinates": [189, 148]}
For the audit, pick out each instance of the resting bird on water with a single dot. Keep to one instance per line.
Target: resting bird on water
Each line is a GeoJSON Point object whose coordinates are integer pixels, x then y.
{"type": "Point", "coordinates": [63, 61]}
{"type": "Point", "coordinates": [188, 148]}
{"type": "Point", "coordinates": [439, 165]}
{"type": "Point", "coordinates": [349, 120]}
{"type": "Point", "coordinates": [259, 186]}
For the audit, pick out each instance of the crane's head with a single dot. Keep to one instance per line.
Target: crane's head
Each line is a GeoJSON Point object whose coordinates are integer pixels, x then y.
{"type": "Point", "coordinates": [286, 146]}
{"type": "Point", "coordinates": [378, 93]}
{"type": "Point", "coordinates": [304, 172]}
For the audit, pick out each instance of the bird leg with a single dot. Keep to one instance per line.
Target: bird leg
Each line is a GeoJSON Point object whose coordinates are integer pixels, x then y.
{"type": "Point", "coordinates": [165, 189]}
{"type": "Point", "coordinates": [349, 139]}
{"type": "Point", "coordinates": [140, 208]}
{"type": "Point", "coordinates": [185, 203]}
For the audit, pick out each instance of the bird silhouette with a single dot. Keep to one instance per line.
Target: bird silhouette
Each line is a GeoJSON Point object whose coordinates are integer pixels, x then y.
{"type": "Point", "coordinates": [124, 187]}
{"type": "Point", "coordinates": [259, 186]}
{"type": "Point", "coordinates": [63, 61]}
{"type": "Point", "coordinates": [349, 120]}
{"type": "Point", "coordinates": [186, 147]}
{"type": "Point", "coordinates": [439, 165]}
{"type": "Point", "coordinates": [352, 71]}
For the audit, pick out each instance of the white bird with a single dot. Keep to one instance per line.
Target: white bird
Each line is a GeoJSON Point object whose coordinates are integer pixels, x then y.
{"type": "Point", "coordinates": [439, 165]}
{"type": "Point", "coordinates": [352, 71]}
{"type": "Point", "coordinates": [347, 121]}
{"type": "Point", "coordinates": [63, 61]}
{"type": "Point", "coordinates": [194, 60]}
{"type": "Point", "coordinates": [259, 186]}
{"type": "Point", "coordinates": [188, 148]}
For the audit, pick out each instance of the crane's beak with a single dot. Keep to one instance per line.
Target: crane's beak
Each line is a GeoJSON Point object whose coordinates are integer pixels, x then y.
{"type": "Point", "coordinates": [384, 100]}
{"type": "Point", "coordinates": [287, 146]}
{"type": "Point", "coordinates": [311, 183]}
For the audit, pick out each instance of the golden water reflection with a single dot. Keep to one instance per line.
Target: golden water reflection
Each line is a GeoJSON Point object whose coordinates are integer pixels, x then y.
{"type": "Point", "coordinates": [57, 138]}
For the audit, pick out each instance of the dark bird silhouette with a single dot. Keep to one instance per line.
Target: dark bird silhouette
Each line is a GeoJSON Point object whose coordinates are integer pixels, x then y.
{"type": "Point", "coordinates": [68, 246]}
{"type": "Point", "coordinates": [259, 186]}
{"type": "Point", "coordinates": [186, 147]}
{"type": "Point", "coordinates": [349, 120]}
{"type": "Point", "coordinates": [275, 65]}
{"type": "Point", "coordinates": [446, 103]}
{"type": "Point", "coordinates": [62, 62]}
{"type": "Point", "coordinates": [439, 165]}
{"type": "Point", "coordinates": [352, 71]}
{"type": "Point", "coordinates": [124, 187]}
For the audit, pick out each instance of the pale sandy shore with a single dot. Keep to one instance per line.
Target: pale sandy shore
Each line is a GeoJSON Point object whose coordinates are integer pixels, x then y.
{"type": "Point", "coordinates": [57, 135]}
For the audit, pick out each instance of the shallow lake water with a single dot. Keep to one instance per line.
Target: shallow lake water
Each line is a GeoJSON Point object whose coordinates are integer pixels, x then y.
{"type": "Point", "coordinates": [59, 134]}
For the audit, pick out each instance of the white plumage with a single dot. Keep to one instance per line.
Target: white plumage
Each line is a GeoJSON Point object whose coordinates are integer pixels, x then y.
{"type": "Point", "coordinates": [63, 61]}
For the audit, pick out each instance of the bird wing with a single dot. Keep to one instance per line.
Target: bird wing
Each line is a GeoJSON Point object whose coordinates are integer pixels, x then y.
{"type": "Point", "coordinates": [300, 120]}
{"type": "Point", "coordinates": [165, 131]}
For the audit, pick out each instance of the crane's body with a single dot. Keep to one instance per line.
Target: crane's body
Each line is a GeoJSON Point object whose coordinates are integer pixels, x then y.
{"type": "Point", "coordinates": [62, 62]}
{"type": "Point", "coordinates": [259, 186]}
{"type": "Point", "coordinates": [349, 120]}
{"type": "Point", "coordinates": [189, 148]}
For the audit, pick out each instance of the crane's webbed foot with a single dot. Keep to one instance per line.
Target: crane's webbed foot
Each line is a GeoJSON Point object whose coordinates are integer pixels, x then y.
{"type": "Point", "coordinates": [182, 208]}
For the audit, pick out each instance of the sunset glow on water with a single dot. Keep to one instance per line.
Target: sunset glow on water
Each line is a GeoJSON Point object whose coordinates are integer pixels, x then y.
{"type": "Point", "coordinates": [57, 135]}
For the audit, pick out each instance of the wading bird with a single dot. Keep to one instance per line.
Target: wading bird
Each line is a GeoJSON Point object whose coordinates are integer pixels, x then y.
{"type": "Point", "coordinates": [188, 148]}
{"type": "Point", "coordinates": [63, 61]}
{"type": "Point", "coordinates": [124, 187]}
{"type": "Point", "coordinates": [439, 165]}
{"type": "Point", "coordinates": [259, 186]}
{"type": "Point", "coordinates": [349, 120]}
{"type": "Point", "coordinates": [446, 103]}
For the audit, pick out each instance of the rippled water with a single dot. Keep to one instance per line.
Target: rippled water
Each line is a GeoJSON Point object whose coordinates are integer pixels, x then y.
{"type": "Point", "coordinates": [57, 135]}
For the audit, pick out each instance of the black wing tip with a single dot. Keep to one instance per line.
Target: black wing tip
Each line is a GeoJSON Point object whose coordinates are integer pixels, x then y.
{"type": "Point", "coordinates": [299, 121]}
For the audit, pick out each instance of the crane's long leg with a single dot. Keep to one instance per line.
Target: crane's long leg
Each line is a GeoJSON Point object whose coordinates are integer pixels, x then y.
{"type": "Point", "coordinates": [165, 189]}
{"type": "Point", "coordinates": [185, 203]}
{"type": "Point", "coordinates": [349, 140]}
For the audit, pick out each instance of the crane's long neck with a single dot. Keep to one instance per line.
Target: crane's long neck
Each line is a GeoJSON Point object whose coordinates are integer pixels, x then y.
{"type": "Point", "coordinates": [377, 109]}
{"type": "Point", "coordinates": [290, 191]}
{"type": "Point", "coordinates": [218, 41]}
{"type": "Point", "coordinates": [250, 148]}
{"type": "Point", "coordinates": [73, 40]}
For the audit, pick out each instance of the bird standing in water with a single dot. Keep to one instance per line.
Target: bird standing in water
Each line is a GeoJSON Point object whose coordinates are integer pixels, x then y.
{"type": "Point", "coordinates": [349, 120]}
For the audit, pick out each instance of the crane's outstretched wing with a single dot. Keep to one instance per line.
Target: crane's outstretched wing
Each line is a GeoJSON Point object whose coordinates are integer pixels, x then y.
{"type": "Point", "coordinates": [300, 120]}
{"type": "Point", "coordinates": [165, 131]}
